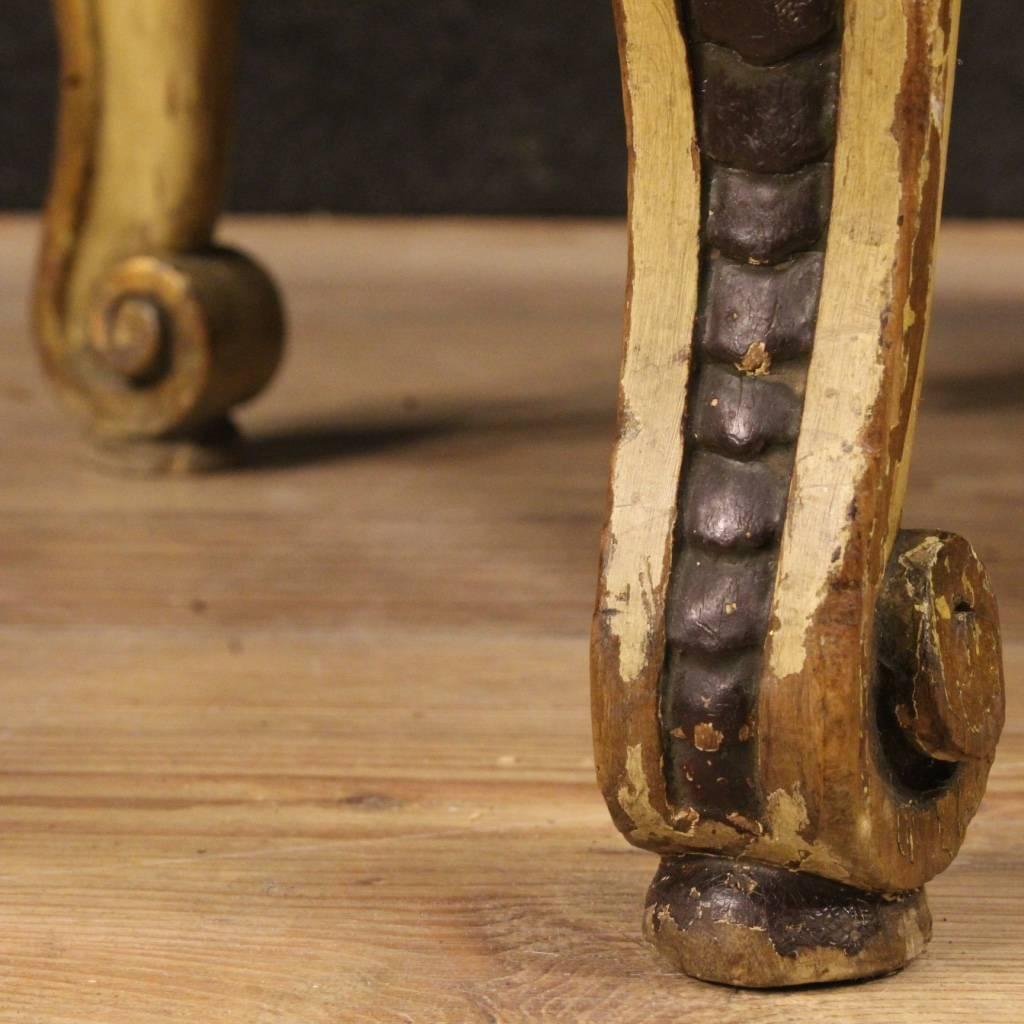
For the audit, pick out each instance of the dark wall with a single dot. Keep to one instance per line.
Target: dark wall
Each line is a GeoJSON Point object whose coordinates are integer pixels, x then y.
{"type": "Point", "coordinates": [399, 106]}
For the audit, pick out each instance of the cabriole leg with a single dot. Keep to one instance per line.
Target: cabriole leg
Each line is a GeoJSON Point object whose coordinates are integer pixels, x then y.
{"type": "Point", "coordinates": [796, 703]}
{"type": "Point", "coordinates": [150, 333]}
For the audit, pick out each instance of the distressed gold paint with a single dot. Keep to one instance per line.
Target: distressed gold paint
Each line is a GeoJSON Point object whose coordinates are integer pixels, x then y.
{"type": "Point", "coordinates": [650, 829]}
{"type": "Point", "coordinates": [634, 798]}
{"type": "Point", "coordinates": [660, 309]}
{"type": "Point", "coordinates": [851, 460]}
{"type": "Point", "coordinates": [939, 48]}
{"type": "Point", "coordinates": [847, 365]}
{"type": "Point", "coordinates": [785, 842]}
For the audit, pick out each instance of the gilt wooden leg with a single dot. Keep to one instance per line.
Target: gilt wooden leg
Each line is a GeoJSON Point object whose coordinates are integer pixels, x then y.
{"type": "Point", "coordinates": [150, 333]}
{"type": "Point", "coordinates": [796, 703]}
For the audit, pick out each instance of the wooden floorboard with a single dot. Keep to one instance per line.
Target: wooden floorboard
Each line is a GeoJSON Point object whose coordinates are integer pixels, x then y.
{"type": "Point", "coordinates": [308, 743]}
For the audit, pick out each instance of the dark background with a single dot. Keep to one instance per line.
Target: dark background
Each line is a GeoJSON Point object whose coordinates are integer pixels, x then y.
{"type": "Point", "coordinates": [471, 106]}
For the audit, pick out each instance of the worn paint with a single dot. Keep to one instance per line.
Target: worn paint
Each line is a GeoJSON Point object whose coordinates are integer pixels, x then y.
{"type": "Point", "coordinates": [660, 309]}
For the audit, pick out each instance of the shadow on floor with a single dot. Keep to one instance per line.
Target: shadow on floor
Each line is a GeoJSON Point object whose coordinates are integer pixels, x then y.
{"type": "Point", "coordinates": [321, 441]}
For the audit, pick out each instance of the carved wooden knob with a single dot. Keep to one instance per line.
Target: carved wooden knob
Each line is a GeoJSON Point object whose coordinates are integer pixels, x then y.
{"type": "Point", "coordinates": [938, 633]}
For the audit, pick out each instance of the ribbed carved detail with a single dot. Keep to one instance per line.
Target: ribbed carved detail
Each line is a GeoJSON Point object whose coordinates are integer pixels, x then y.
{"type": "Point", "coordinates": [765, 80]}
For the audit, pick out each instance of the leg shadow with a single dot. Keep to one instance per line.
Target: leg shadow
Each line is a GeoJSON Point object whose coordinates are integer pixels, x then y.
{"type": "Point", "coordinates": [321, 441]}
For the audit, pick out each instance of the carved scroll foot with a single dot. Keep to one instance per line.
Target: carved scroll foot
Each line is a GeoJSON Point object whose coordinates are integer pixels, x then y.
{"type": "Point", "coordinates": [150, 332]}
{"type": "Point", "coordinates": [796, 703]}
{"type": "Point", "coordinates": [756, 926]}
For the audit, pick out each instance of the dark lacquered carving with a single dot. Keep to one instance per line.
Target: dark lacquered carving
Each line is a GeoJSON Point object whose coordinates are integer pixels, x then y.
{"type": "Point", "coordinates": [733, 504]}
{"type": "Point", "coordinates": [764, 218]}
{"type": "Point", "coordinates": [764, 31]}
{"type": "Point", "coordinates": [776, 307]}
{"type": "Point", "coordinates": [707, 713]}
{"type": "Point", "coordinates": [719, 603]}
{"type": "Point", "coordinates": [739, 414]}
{"type": "Point", "coordinates": [766, 135]}
{"type": "Point", "coordinates": [768, 119]}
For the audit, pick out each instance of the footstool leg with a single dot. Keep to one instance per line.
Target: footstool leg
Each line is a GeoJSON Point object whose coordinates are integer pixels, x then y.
{"type": "Point", "coordinates": [150, 333]}
{"type": "Point", "coordinates": [796, 702]}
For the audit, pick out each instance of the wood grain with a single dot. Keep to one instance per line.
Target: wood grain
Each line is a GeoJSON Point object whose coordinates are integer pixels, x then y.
{"type": "Point", "coordinates": [311, 743]}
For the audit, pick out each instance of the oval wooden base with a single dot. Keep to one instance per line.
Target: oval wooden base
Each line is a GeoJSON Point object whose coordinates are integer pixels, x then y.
{"type": "Point", "coordinates": [218, 446]}
{"type": "Point", "coordinates": [757, 926]}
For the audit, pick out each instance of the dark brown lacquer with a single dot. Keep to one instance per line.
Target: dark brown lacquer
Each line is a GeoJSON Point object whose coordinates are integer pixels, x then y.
{"type": "Point", "coordinates": [766, 136]}
{"type": "Point", "coordinates": [763, 31]}
{"type": "Point", "coordinates": [816, 914]}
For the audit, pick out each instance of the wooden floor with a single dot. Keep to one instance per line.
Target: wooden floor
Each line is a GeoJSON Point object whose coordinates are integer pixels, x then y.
{"type": "Point", "coordinates": [308, 743]}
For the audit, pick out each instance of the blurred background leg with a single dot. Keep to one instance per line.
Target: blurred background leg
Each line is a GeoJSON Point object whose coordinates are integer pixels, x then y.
{"type": "Point", "coordinates": [150, 333]}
